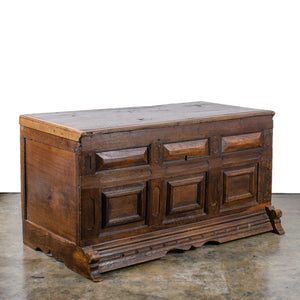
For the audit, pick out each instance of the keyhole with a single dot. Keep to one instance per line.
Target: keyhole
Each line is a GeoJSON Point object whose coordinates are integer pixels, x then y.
{"type": "Point", "coordinates": [185, 157]}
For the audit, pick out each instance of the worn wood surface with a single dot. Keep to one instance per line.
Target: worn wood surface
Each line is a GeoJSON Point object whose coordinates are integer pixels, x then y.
{"type": "Point", "coordinates": [122, 158]}
{"type": "Point", "coordinates": [128, 185]}
{"type": "Point", "coordinates": [51, 188]}
{"type": "Point", "coordinates": [186, 150]}
{"type": "Point", "coordinates": [74, 124]}
{"type": "Point", "coordinates": [241, 142]}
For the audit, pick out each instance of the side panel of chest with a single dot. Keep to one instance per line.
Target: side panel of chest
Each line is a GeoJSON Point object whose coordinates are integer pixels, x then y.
{"type": "Point", "coordinates": [140, 181]}
{"type": "Point", "coordinates": [50, 189]}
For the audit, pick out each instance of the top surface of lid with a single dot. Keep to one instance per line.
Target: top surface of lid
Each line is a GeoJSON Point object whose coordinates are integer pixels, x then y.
{"type": "Point", "coordinates": [78, 123]}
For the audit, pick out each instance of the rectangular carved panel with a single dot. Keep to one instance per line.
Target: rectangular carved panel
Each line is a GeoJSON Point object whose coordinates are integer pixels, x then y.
{"type": "Point", "coordinates": [155, 203]}
{"type": "Point", "coordinates": [124, 205]}
{"type": "Point", "coordinates": [51, 188]}
{"type": "Point", "coordinates": [185, 194]}
{"type": "Point", "coordinates": [241, 142]}
{"type": "Point", "coordinates": [90, 212]}
{"type": "Point", "coordinates": [121, 158]}
{"type": "Point", "coordinates": [239, 184]}
{"type": "Point", "coordinates": [185, 150]}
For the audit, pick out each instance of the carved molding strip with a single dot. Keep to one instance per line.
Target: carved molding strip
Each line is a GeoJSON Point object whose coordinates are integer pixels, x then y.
{"type": "Point", "coordinates": [241, 142]}
{"type": "Point", "coordinates": [186, 150]}
{"type": "Point", "coordinates": [120, 256]}
{"type": "Point", "coordinates": [121, 158]}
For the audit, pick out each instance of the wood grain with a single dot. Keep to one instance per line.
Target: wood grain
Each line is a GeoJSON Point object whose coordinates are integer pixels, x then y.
{"type": "Point", "coordinates": [106, 189]}
{"type": "Point", "coordinates": [172, 134]}
{"type": "Point", "coordinates": [49, 127]}
{"type": "Point", "coordinates": [74, 124]}
{"type": "Point", "coordinates": [240, 184]}
{"type": "Point", "coordinates": [185, 150]}
{"type": "Point", "coordinates": [51, 188]}
{"type": "Point", "coordinates": [124, 206]}
{"type": "Point", "coordinates": [121, 158]}
{"type": "Point", "coordinates": [186, 194]}
{"type": "Point", "coordinates": [241, 142]}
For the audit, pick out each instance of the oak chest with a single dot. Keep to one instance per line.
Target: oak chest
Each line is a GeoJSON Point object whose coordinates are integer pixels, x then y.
{"type": "Point", "coordinates": [105, 189]}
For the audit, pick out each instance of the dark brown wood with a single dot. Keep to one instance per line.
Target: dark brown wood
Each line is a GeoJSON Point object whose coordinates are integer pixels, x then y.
{"type": "Point", "coordinates": [275, 215]}
{"type": "Point", "coordinates": [240, 184]}
{"type": "Point", "coordinates": [121, 158]}
{"type": "Point", "coordinates": [186, 150]}
{"type": "Point", "coordinates": [123, 206]}
{"type": "Point", "coordinates": [186, 194]}
{"type": "Point", "coordinates": [51, 188]}
{"type": "Point", "coordinates": [175, 133]}
{"type": "Point", "coordinates": [106, 189]}
{"type": "Point", "coordinates": [241, 142]}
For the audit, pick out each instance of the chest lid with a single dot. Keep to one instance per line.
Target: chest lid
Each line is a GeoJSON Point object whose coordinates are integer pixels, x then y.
{"type": "Point", "coordinates": [74, 124]}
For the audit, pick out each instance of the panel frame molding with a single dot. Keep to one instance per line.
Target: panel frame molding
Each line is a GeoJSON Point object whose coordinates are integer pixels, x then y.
{"type": "Point", "coordinates": [121, 158]}
{"type": "Point", "coordinates": [108, 194]}
{"type": "Point", "coordinates": [242, 142]}
{"type": "Point", "coordinates": [249, 198]}
{"type": "Point", "coordinates": [198, 206]}
{"type": "Point", "coordinates": [186, 149]}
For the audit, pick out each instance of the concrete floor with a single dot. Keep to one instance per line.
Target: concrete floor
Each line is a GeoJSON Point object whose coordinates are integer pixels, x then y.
{"type": "Point", "coordinates": [266, 266]}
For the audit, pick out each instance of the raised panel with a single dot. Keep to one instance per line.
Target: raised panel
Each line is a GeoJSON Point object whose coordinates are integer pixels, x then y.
{"type": "Point", "coordinates": [121, 158]}
{"type": "Point", "coordinates": [123, 205]}
{"type": "Point", "coordinates": [90, 212]}
{"type": "Point", "coordinates": [185, 194]}
{"type": "Point", "coordinates": [155, 203]}
{"type": "Point", "coordinates": [185, 150]}
{"type": "Point", "coordinates": [239, 185]}
{"type": "Point", "coordinates": [241, 142]}
{"type": "Point", "coordinates": [51, 191]}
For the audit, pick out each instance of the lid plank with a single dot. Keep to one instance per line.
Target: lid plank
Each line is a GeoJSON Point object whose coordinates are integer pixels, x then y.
{"type": "Point", "coordinates": [74, 124]}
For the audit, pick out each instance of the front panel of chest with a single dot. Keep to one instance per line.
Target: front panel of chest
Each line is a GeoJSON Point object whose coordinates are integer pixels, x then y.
{"type": "Point", "coordinates": [142, 180]}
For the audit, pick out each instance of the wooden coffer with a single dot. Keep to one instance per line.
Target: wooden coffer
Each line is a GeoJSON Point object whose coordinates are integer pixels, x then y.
{"type": "Point", "coordinates": [105, 189]}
